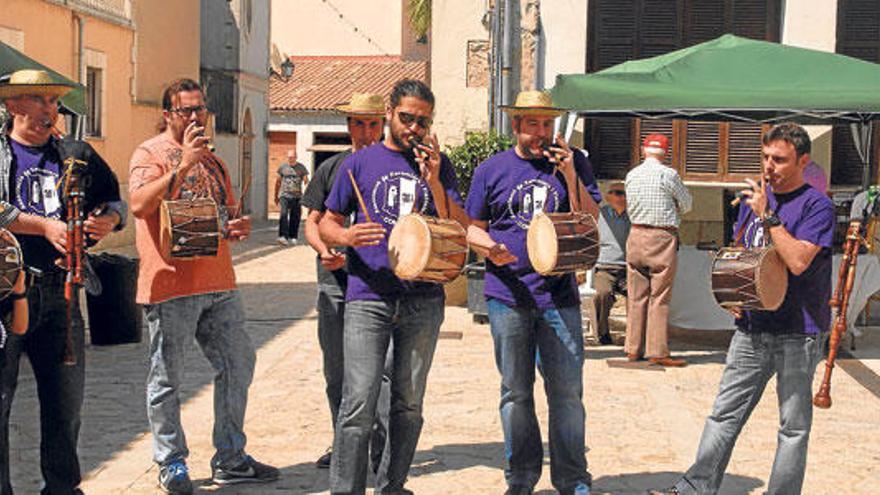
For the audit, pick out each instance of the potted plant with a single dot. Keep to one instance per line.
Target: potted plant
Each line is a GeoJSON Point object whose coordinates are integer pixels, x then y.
{"type": "Point", "coordinates": [465, 157]}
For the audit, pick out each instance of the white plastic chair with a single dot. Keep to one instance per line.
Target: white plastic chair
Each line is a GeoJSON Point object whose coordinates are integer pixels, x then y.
{"type": "Point", "coordinates": [588, 308]}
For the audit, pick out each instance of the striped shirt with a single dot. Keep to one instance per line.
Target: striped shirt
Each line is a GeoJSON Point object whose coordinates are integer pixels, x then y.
{"type": "Point", "coordinates": [655, 195]}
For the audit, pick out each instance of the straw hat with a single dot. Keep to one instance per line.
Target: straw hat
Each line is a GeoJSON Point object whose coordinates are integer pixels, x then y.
{"type": "Point", "coordinates": [364, 104]}
{"type": "Point", "coordinates": [533, 103]}
{"type": "Point", "coordinates": [31, 82]}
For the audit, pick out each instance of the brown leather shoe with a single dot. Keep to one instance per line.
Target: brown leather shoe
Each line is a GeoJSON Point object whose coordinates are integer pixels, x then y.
{"type": "Point", "coordinates": [668, 362]}
{"type": "Point", "coordinates": [633, 357]}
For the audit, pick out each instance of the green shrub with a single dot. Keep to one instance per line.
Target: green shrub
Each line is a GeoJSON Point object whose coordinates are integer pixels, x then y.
{"type": "Point", "coordinates": [477, 147]}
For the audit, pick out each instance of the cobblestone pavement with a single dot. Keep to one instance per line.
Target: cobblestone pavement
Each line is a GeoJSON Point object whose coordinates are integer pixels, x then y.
{"type": "Point", "coordinates": [643, 424]}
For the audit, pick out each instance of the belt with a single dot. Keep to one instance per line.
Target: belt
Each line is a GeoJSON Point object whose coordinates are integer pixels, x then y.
{"type": "Point", "coordinates": [667, 228]}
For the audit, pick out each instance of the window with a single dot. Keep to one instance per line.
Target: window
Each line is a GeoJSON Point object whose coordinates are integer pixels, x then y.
{"type": "Point", "coordinates": [220, 91]}
{"type": "Point", "coordinates": [95, 89]}
{"type": "Point", "coordinates": [858, 35]}
{"type": "Point", "coordinates": [621, 30]}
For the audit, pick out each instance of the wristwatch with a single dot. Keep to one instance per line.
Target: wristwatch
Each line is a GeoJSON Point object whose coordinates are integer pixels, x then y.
{"type": "Point", "coordinates": [771, 220]}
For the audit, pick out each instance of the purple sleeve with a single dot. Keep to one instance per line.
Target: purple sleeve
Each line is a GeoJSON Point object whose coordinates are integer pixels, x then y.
{"type": "Point", "coordinates": [449, 180]}
{"type": "Point", "coordinates": [585, 171]}
{"type": "Point", "coordinates": [341, 196]}
{"type": "Point", "coordinates": [477, 206]}
{"type": "Point", "coordinates": [817, 226]}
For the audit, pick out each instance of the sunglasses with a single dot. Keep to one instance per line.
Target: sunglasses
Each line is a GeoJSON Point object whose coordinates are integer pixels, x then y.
{"type": "Point", "coordinates": [408, 119]}
{"type": "Point", "coordinates": [617, 193]}
{"type": "Point", "coordinates": [188, 111]}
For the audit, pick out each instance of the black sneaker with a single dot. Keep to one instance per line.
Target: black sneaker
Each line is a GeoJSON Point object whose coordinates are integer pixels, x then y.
{"type": "Point", "coordinates": [249, 471]}
{"type": "Point", "coordinates": [323, 462]}
{"type": "Point", "coordinates": [174, 478]}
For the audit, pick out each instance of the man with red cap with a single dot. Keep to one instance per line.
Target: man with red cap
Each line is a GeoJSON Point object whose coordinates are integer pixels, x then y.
{"type": "Point", "coordinates": [656, 200]}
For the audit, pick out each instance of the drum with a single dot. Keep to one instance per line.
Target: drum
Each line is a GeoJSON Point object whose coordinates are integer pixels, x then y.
{"type": "Point", "coordinates": [749, 278]}
{"type": "Point", "coordinates": [11, 262]}
{"type": "Point", "coordinates": [427, 249]}
{"type": "Point", "coordinates": [560, 243]}
{"type": "Point", "coordinates": [189, 228]}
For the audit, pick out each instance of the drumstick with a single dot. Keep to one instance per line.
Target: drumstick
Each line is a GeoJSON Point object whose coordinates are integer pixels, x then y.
{"type": "Point", "coordinates": [360, 198]}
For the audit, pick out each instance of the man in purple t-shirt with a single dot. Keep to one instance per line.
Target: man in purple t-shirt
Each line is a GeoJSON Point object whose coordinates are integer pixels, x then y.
{"type": "Point", "coordinates": [533, 315]}
{"type": "Point", "coordinates": [788, 342]}
{"type": "Point", "coordinates": [395, 177]}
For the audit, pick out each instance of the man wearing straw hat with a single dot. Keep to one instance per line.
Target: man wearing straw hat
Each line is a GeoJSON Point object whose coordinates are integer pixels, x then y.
{"type": "Point", "coordinates": [365, 116]}
{"type": "Point", "coordinates": [32, 165]}
{"type": "Point", "coordinates": [535, 319]}
{"type": "Point", "coordinates": [382, 183]}
{"type": "Point", "coordinates": [192, 298]}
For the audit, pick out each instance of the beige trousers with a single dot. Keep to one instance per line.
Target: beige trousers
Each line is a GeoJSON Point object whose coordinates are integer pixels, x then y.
{"type": "Point", "coordinates": [650, 270]}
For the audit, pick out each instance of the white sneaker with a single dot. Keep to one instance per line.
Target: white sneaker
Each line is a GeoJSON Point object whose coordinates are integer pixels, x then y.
{"type": "Point", "coordinates": [293, 242]}
{"type": "Point", "coordinates": [282, 241]}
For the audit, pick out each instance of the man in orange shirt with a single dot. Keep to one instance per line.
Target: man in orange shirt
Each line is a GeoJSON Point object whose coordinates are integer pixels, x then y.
{"type": "Point", "coordinates": [191, 298]}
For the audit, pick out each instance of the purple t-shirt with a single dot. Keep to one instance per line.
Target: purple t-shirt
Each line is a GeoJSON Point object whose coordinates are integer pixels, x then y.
{"type": "Point", "coordinates": [808, 215]}
{"type": "Point", "coordinates": [507, 191]}
{"type": "Point", "coordinates": [391, 187]}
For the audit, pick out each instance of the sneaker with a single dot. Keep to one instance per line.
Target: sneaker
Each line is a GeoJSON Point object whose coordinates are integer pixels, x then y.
{"type": "Point", "coordinates": [174, 478]}
{"type": "Point", "coordinates": [293, 242]}
{"type": "Point", "coordinates": [249, 471]}
{"type": "Point", "coordinates": [282, 241]}
{"type": "Point", "coordinates": [323, 462]}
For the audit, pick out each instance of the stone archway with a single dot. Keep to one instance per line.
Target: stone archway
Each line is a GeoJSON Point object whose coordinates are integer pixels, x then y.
{"type": "Point", "coordinates": [245, 171]}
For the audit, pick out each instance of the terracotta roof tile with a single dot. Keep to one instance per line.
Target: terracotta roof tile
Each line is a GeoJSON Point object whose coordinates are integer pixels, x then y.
{"type": "Point", "coordinates": [319, 83]}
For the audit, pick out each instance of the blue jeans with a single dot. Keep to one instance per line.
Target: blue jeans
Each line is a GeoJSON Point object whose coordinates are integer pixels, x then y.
{"type": "Point", "coordinates": [216, 320]}
{"type": "Point", "coordinates": [413, 324]}
{"type": "Point", "coordinates": [59, 387]}
{"type": "Point", "coordinates": [553, 340]}
{"type": "Point", "coordinates": [752, 359]}
{"type": "Point", "coordinates": [331, 313]}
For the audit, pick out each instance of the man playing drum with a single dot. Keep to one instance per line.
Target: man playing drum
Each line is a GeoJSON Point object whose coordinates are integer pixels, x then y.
{"type": "Point", "coordinates": [397, 176]}
{"type": "Point", "coordinates": [365, 115]}
{"type": "Point", "coordinates": [32, 165]}
{"type": "Point", "coordinates": [788, 342]}
{"type": "Point", "coordinates": [191, 298]}
{"type": "Point", "coordinates": [531, 314]}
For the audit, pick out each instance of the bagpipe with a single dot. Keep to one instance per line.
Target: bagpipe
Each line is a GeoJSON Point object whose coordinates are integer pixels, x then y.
{"type": "Point", "coordinates": [856, 237]}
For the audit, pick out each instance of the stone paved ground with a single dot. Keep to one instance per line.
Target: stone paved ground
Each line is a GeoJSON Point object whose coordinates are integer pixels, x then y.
{"type": "Point", "coordinates": [643, 425]}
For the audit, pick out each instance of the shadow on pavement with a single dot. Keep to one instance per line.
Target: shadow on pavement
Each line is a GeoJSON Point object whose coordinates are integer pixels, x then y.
{"type": "Point", "coordinates": [114, 412]}
{"type": "Point", "coordinates": [640, 483]}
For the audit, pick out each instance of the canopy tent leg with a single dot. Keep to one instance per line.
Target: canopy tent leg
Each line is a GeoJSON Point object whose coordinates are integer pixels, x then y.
{"type": "Point", "coordinates": [862, 134]}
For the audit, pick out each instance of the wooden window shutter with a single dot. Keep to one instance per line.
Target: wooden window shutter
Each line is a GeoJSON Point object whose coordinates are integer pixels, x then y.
{"type": "Point", "coordinates": [703, 151]}
{"type": "Point", "coordinates": [858, 35]}
{"type": "Point", "coordinates": [744, 149]}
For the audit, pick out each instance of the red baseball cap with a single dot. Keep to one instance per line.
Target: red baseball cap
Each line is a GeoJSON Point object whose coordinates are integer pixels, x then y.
{"type": "Point", "coordinates": [656, 143]}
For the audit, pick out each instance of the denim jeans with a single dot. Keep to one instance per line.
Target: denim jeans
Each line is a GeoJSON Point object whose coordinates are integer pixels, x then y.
{"type": "Point", "coordinates": [331, 313]}
{"type": "Point", "coordinates": [289, 213]}
{"type": "Point", "coordinates": [412, 323]}
{"type": "Point", "coordinates": [59, 387]}
{"type": "Point", "coordinates": [752, 359]}
{"type": "Point", "coordinates": [553, 340]}
{"type": "Point", "coordinates": [216, 320]}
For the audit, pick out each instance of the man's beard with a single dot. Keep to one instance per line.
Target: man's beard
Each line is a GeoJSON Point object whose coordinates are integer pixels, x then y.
{"type": "Point", "coordinates": [406, 147]}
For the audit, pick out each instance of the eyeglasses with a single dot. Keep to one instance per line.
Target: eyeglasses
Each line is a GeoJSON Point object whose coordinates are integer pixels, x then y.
{"type": "Point", "coordinates": [186, 112]}
{"type": "Point", "coordinates": [617, 193]}
{"type": "Point", "coordinates": [407, 119]}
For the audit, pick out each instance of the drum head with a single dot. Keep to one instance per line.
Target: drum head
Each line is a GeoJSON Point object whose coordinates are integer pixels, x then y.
{"type": "Point", "coordinates": [771, 277]}
{"type": "Point", "coordinates": [409, 246]}
{"type": "Point", "coordinates": [542, 244]}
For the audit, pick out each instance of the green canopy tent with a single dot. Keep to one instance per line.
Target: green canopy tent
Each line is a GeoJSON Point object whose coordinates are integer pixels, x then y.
{"type": "Point", "coordinates": [734, 79]}
{"type": "Point", "coordinates": [12, 60]}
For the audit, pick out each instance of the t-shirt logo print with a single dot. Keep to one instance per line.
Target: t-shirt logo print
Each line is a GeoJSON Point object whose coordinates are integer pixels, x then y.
{"type": "Point", "coordinates": [529, 198]}
{"type": "Point", "coordinates": [38, 193]}
{"type": "Point", "coordinates": [397, 194]}
{"type": "Point", "coordinates": [755, 233]}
